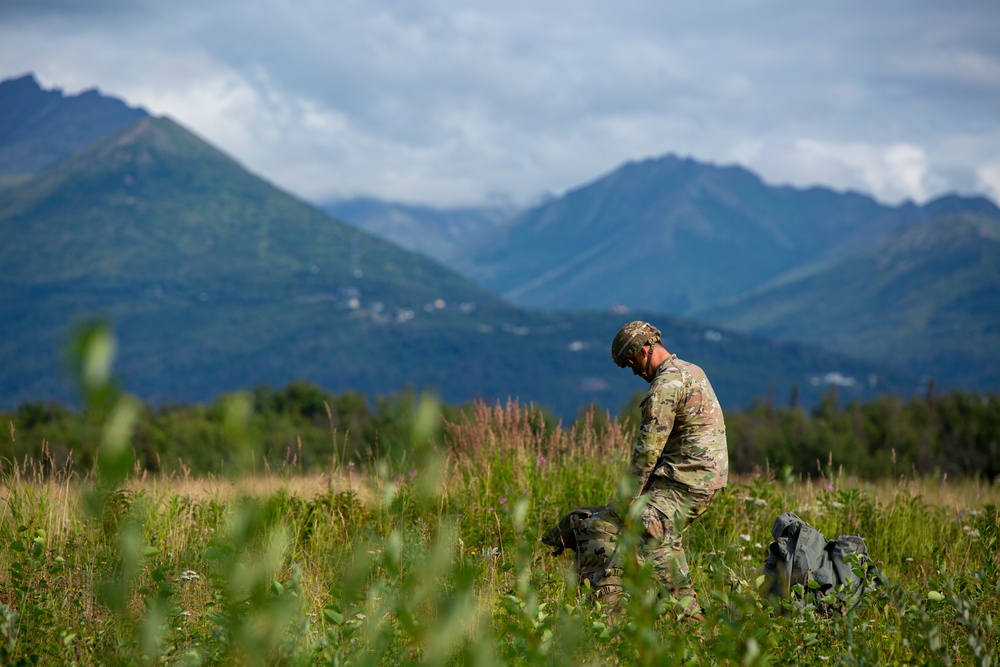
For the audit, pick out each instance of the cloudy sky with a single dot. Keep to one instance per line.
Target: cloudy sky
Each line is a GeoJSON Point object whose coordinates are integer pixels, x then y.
{"type": "Point", "coordinates": [451, 102]}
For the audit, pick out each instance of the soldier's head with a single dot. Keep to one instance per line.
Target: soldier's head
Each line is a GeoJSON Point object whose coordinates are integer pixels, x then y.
{"type": "Point", "coordinates": [633, 346]}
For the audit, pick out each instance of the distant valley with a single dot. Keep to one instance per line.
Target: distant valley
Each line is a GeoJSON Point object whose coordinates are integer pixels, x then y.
{"type": "Point", "coordinates": [438, 233]}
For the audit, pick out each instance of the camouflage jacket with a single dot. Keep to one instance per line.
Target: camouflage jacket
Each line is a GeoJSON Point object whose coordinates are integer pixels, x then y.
{"type": "Point", "coordinates": [682, 439]}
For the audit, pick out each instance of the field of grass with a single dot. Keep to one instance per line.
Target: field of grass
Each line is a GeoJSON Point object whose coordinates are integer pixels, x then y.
{"type": "Point", "coordinates": [435, 558]}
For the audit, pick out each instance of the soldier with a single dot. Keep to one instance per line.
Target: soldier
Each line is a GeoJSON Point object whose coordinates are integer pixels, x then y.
{"type": "Point", "coordinates": [680, 459]}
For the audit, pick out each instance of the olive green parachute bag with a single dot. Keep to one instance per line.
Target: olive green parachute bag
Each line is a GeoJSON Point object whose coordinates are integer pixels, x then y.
{"type": "Point", "coordinates": [805, 568]}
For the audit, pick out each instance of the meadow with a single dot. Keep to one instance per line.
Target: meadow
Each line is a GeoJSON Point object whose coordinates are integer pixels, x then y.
{"type": "Point", "coordinates": [432, 556]}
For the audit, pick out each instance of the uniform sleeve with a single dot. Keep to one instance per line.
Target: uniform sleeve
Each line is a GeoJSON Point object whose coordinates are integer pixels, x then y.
{"type": "Point", "coordinates": [658, 410]}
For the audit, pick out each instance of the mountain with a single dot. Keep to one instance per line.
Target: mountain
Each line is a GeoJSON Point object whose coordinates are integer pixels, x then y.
{"type": "Point", "coordinates": [188, 252]}
{"type": "Point", "coordinates": [926, 298]}
{"type": "Point", "coordinates": [40, 128]}
{"type": "Point", "coordinates": [677, 236]}
{"type": "Point", "coordinates": [806, 265]}
{"type": "Point", "coordinates": [215, 281]}
{"type": "Point", "coordinates": [435, 232]}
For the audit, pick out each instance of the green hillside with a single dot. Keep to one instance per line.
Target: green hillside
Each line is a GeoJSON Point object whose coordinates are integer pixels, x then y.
{"type": "Point", "coordinates": [927, 298]}
{"type": "Point", "coordinates": [189, 253]}
{"type": "Point", "coordinates": [155, 204]}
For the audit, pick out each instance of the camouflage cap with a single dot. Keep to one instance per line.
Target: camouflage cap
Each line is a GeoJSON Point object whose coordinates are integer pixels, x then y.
{"type": "Point", "coordinates": [630, 340]}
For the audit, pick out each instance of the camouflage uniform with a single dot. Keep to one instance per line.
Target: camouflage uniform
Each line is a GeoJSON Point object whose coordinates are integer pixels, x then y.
{"type": "Point", "coordinates": [680, 461]}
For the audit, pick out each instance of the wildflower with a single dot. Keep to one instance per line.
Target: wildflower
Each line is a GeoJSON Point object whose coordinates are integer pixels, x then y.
{"type": "Point", "coordinates": [350, 465]}
{"type": "Point", "coordinates": [413, 473]}
{"type": "Point", "coordinates": [745, 537]}
{"type": "Point", "coordinates": [188, 575]}
{"type": "Point", "coordinates": [503, 501]}
{"type": "Point", "coordinates": [758, 545]}
{"type": "Point", "coordinates": [542, 460]}
{"type": "Point", "coordinates": [829, 487]}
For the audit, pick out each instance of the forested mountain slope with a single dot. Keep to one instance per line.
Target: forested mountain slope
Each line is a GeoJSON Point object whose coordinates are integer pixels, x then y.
{"type": "Point", "coordinates": [927, 298]}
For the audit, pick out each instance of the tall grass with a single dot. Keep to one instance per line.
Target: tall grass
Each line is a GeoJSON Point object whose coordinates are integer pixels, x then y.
{"type": "Point", "coordinates": [432, 556]}
{"type": "Point", "coordinates": [436, 558]}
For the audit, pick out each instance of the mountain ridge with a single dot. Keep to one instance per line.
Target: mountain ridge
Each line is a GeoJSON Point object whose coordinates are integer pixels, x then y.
{"type": "Point", "coordinates": [687, 238]}
{"type": "Point", "coordinates": [712, 231]}
{"type": "Point", "coordinates": [40, 128]}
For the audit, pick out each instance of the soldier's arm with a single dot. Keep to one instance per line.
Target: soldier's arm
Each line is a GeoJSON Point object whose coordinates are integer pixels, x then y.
{"type": "Point", "coordinates": [658, 410]}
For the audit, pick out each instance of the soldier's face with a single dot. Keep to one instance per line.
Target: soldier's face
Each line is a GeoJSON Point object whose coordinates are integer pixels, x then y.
{"type": "Point", "coordinates": [638, 362]}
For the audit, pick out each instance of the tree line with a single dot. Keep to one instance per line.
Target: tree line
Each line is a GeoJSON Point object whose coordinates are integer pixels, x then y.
{"type": "Point", "coordinates": [306, 428]}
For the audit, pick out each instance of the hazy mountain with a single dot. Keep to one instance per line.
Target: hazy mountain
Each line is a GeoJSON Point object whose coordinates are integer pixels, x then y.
{"type": "Point", "coordinates": [809, 265]}
{"type": "Point", "coordinates": [927, 298]}
{"type": "Point", "coordinates": [40, 128]}
{"type": "Point", "coordinates": [677, 236]}
{"type": "Point", "coordinates": [217, 281]}
{"type": "Point", "coordinates": [435, 232]}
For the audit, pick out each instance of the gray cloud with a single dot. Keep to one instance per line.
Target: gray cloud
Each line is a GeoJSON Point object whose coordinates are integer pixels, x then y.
{"type": "Point", "coordinates": [449, 102]}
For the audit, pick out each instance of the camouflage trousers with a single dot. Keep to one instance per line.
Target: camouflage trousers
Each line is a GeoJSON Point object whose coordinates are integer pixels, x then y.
{"type": "Point", "coordinates": [671, 509]}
